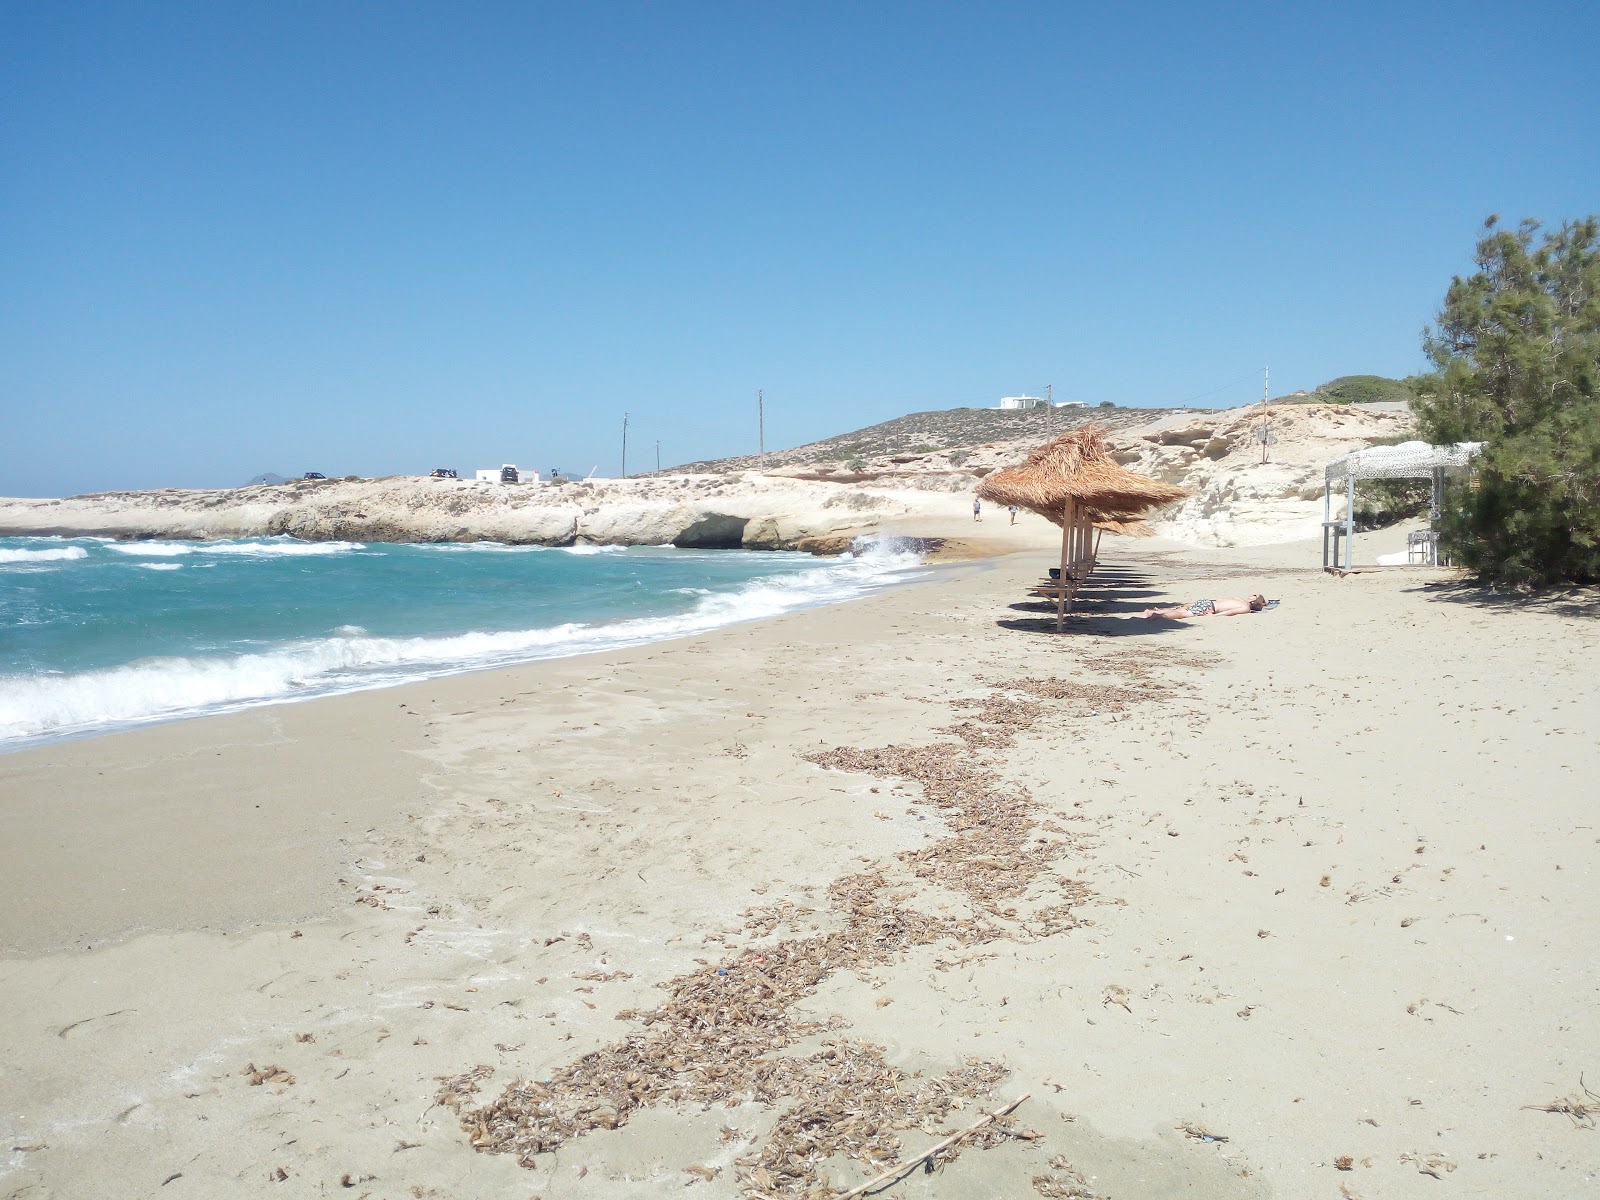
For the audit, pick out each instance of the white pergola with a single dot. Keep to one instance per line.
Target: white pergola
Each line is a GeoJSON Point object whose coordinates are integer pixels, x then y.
{"type": "Point", "coordinates": [1408, 460]}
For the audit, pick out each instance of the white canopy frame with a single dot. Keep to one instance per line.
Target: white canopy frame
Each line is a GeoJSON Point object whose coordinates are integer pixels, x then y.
{"type": "Point", "coordinates": [1408, 460]}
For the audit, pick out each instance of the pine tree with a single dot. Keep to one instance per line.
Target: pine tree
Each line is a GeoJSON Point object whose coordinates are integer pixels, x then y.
{"type": "Point", "coordinates": [1517, 352]}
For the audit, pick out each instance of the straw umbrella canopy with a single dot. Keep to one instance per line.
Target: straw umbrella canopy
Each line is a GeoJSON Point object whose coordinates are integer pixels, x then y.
{"type": "Point", "coordinates": [1123, 525]}
{"type": "Point", "coordinates": [1074, 482]}
{"type": "Point", "coordinates": [1135, 527]}
{"type": "Point", "coordinates": [1077, 469]}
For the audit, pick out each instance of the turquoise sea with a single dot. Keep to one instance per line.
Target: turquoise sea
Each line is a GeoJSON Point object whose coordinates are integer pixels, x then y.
{"type": "Point", "coordinates": [97, 634]}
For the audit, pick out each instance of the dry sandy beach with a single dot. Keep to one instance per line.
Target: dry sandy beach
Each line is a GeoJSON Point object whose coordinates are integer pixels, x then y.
{"type": "Point", "coordinates": [1293, 905]}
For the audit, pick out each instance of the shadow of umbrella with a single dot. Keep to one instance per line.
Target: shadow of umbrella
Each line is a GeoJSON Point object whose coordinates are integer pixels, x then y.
{"type": "Point", "coordinates": [1104, 627]}
{"type": "Point", "coordinates": [1074, 482]}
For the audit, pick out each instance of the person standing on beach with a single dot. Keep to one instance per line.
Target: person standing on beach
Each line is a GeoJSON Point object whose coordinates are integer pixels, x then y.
{"type": "Point", "coordinates": [1013, 514]}
{"type": "Point", "coordinates": [977, 509]}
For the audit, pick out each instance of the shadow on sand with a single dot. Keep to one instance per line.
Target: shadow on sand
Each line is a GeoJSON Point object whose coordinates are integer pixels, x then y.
{"type": "Point", "coordinates": [1100, 607]}
{"type": "Point", "coordinates": [1578, 602]}
{"type": "Point", "coordinates": [1081, 626]}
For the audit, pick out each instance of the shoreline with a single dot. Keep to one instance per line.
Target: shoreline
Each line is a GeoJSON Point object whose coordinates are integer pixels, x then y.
{"type": "Point", "coordinates": [247, 738]}
{"type": "Point", "coordinates": [492, 879]}
{"type": "Point", "coordinates": [938, 555]}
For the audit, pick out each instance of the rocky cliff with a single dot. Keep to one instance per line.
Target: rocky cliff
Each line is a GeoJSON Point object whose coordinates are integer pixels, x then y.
{"type": "Point", "coordinates": [802, 501]}
{"type": "Point", "coordinates": [708, 511]}
{"type": "Point", "coordinates": [1236, 497]}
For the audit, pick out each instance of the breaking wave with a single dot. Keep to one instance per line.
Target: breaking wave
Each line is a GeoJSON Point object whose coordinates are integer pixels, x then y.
{"type": "Point", "coordinates": [265, 548]}
{"type": "Point", "coordinates": [34, 707]}
{"type": "Point", "coordinates": [54, 554]}
{"type": "Point", "coordinates": [150, 549]}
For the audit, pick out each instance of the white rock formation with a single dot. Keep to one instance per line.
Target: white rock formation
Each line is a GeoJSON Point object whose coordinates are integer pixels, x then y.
{"type": "Point", "coordinates": [1237, 500]}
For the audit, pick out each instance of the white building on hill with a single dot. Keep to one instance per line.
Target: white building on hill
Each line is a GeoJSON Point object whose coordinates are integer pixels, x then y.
{"type": "Point", "coordinates": [1023, 402]}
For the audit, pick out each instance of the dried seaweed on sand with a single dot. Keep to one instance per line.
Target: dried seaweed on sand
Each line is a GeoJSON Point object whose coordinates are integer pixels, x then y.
{"type": "Point", "coordinates": [1580, 1108]}
{"type": "Point", "coordinates": [716, 1038]}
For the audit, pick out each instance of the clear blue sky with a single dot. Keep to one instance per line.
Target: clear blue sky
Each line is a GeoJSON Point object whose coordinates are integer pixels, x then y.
{"type": "Point", "coordinates": [374, 238]}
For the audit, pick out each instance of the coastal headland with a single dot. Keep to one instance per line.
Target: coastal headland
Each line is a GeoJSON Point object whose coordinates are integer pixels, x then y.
{"type": "Point", "coordinates": [1292, 905]}
{"type": "Point", "coordinates": [908, 473]}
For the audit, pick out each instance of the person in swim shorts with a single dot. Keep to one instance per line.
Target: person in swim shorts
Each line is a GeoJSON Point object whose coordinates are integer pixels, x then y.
{"type": "Point", "coordinates": [1227, 606]}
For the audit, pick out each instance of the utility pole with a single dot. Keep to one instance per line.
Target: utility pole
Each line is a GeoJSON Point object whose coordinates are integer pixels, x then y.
{"type": "Point", "coordinates": [658, 456]}
{"type": "Point", "coordinates": [1266, 418]}
{"type": "Point", "coordinates": [1049, 395]}
{"type": "Point", "coordinates": [761, 422]}
{"type": "Point", "coordinates": [624, 445]}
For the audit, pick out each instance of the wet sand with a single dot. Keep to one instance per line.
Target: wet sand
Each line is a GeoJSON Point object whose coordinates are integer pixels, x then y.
{"type": "Point", "coordinates": [1315, 885]}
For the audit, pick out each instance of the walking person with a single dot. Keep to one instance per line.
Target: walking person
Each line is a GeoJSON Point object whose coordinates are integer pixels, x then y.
{"type": "Point", "coordinates": [1013, 514]}
{"type": "Point", "coordinates": [977, 509]}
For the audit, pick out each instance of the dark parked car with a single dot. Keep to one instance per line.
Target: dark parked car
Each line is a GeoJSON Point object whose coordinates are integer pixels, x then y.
{"type": "Point", "coordinates": [509, 475]}
{"type": "Point", "coordinates": [313, 475]}
{"type": "Point", "coordinates": [442, 473]}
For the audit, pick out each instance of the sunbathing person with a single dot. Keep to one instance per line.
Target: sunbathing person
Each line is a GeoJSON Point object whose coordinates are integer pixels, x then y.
{"type": "Point", "coordinates": [1228, 606]}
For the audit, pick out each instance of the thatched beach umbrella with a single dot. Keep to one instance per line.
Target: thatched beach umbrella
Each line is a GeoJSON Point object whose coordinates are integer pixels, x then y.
{"type": "Point", "coordinates": [1077, 468]}
{"type": "Point", "coordinates": [1134, 527]}
{"type": "Point", "coordinates": [1074, 482]}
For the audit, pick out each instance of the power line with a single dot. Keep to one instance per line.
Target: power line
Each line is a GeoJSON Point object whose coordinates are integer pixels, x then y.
{"type": "Point", "coordinates": [1250, 374]}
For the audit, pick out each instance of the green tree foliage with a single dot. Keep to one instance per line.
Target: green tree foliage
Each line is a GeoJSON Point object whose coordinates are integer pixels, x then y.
{"type": "Point", "coordinates": [1517, 352]}
{"type": "Point", "coordinates": [1363, 389]}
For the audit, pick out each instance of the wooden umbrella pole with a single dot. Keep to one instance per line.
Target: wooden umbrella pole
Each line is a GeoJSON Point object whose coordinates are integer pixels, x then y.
{"type": "Point", "coordinates": [912, 1164]}
{"type": "Point", "coordinates": [1066, 580]}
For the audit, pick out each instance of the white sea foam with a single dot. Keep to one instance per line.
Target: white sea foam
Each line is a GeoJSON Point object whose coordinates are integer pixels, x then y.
{"type": "Point", "coordinates": [159, 566]}
{"type": "Point", "coordinates": [593, 549]}
{"type": "Point", "coordinates": [267, 548]}
{"type": "Point", "coordinates": [151, 549]}
{"type": "Point", "coordinates": [276, 547]}
{"type": "Point", "coordinates": [477, 547]}
{"type": "Point", "coordinates": [53, 554]}
{"type": "Point", "coordinates": [42, 706]}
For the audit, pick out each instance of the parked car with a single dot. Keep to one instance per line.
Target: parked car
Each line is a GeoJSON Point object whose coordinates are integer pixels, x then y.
{"type": "Point", "coordinates": [442, 473]}
{"type": "Point", "coordinates": [313, 475]}
{"type": "Point", "coordinates": [509, 475]}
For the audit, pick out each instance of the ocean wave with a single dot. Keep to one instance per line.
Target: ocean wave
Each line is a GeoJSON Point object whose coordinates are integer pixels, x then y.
{"type": "Point", "coordinates": [54, 554]}
{"type": "Point", "coordinates": [285, 547]}
{"type": "Point", "coordinates": [592, 549]}
{"type": "Point", "coordinates": [249, 549]}
{"type": "Point", "coordinates": [151, 549]}
{"type": "Point", "coordinates": [154, 689]}
{"type": "Point", "coordinates": [478, 547]}
{"type": "Point", "coordinates": [159, 566]}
